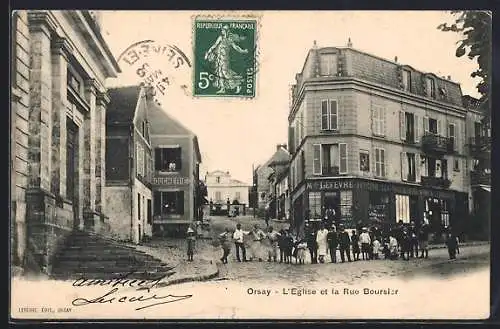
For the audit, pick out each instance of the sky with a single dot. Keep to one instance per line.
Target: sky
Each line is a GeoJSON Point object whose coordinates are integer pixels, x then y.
{"type": "Point", "coordinates": [236, 133]}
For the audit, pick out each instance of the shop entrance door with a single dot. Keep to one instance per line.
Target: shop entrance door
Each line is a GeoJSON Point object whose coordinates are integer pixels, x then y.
{"type": "Point", "coordinates": [435, 215]}
{"type": "Point", "coordinates": [332, 207]}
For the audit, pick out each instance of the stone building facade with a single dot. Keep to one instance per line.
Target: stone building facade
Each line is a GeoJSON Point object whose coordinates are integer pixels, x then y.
{"type": "Point", "coordinates": [374, 141]}
{"type": "Point", "coordinates": [59, 104]}
{"type": "Point", "coordinates": [129, 163]}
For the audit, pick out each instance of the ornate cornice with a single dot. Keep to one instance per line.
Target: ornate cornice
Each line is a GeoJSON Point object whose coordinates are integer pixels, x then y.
{"type": "Point", "coordinates": [42, 20]}
{"type": "Point", "coordinates": [91, 85]}
{"type": "Point", "coordinates": [62, 46]}
{"type": "Point", "coordinates": [102, 99]}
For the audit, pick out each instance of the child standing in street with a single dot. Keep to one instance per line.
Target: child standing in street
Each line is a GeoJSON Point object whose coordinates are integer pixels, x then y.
{"type": "Point", "coordinates": [191, 238]}
{"type": "Point", "coordinates": [376, 248]}
{"type": "Point", "coordinates": [225, 244]}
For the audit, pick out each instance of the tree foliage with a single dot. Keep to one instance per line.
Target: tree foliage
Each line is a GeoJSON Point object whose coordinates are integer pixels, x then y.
{"type": "Point", "coordinates": [475, 26]}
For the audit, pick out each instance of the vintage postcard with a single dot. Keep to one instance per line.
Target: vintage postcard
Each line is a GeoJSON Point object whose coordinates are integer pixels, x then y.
{"type": "Point", "coordinates": [250, 165]}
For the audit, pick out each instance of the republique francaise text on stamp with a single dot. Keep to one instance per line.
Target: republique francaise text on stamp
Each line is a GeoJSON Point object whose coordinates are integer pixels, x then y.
{"type": "Point", "coordinates": [224, 57]}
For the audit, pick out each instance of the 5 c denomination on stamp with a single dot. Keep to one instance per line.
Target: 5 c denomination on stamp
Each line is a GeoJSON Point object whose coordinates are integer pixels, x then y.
{"type": "Point", "coordinates": [224, 57]}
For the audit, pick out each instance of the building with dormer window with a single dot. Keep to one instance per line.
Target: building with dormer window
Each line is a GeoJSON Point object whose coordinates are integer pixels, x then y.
{"type": "Point", "coordinates": [376, 141]}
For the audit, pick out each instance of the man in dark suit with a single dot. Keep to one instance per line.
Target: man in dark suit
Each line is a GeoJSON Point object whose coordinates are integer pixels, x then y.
{"type": "Point", "coordinates": [333, 243]}
{"type": "Point", "coordinates": [344, 244]}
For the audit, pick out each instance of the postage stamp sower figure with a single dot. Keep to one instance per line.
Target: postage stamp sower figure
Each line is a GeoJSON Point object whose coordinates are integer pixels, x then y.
{"type": "Point", "coordinates": [224, 58]}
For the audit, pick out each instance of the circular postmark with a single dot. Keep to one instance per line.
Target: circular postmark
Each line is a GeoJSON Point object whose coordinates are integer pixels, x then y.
{"type": "Point", "coordinates": [156, 65]}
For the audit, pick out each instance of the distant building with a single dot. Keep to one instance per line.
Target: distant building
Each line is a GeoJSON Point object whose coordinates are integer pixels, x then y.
{"type": "Point", "coordinates": [265, 188]}
{"type": "Point", "coordinates": [479, 153]}
{"type": "Point", "coordinates": [375, 141]}
{"type": "Point", "coordinates": [129, 164]}
{"type": "Point", "coordinates": [175, 180]}
{"type": "Point", "coordinates": [221, 188]}
{"type": "Point", "coordinates": [279, 207]}
{"type": "Point", "coordinates": [60, 62]}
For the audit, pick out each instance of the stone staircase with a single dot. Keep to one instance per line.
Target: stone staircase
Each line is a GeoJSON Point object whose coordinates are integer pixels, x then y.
{"type": "Point", "coordinates": [89, 256]}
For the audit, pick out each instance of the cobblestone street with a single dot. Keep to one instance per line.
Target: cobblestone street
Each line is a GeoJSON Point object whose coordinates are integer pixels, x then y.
{"type": "Point", "coordinates": [437, 265]}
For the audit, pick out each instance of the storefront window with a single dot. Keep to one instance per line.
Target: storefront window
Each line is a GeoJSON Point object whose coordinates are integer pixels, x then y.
{"type": "Point", "coordinates": [403, 208]}
{"type": "Point", "coordinates": [315, 204]}
{"type": "Point", "coordinates": [445, 215]}
{"type": "Point", "coordinates": [378, 207]}
{"type": "Point", "coordinates": [346, 205]}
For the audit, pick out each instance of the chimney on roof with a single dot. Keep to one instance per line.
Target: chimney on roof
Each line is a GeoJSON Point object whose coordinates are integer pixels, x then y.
{"type": "Point", "coordinates": [449, 77]}
{"type": "Point", "coordinates": [349, 43]}
{"type": "Point", "coordinates": [280, 146]}
{"type": "Point", "coordinates": [396, 59]}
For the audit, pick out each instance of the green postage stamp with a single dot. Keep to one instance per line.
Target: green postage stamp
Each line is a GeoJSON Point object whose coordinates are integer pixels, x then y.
{"type": "Point", "coordinates": [224, 57]}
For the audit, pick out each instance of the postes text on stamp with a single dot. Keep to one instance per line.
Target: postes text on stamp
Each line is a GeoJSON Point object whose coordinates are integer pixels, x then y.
{"type": "Point", "coordinates": [224, 57]}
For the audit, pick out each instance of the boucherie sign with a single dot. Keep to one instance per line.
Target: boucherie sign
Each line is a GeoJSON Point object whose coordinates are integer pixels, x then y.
{"type": "Point", "coordinates": [171, 181]}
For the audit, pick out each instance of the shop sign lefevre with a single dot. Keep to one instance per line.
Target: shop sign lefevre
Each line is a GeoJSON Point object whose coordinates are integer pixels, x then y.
{"type": "Point", "coordinates": [345, 184]}
{"type": "Point", "coordinates": [171, 181]}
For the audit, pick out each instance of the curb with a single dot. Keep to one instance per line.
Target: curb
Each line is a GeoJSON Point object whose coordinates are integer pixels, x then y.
{"type": "Point", "coordinates": [199, 278]}
{"type": "Point", "coordinates": [463, 245]}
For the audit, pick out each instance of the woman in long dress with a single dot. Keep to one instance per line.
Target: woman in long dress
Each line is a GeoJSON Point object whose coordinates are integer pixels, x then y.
{"type": "Point", "coordinates": [321, 239]}
{"type": "Point", "coordinates": [257, 249]}
{"type": "Point", "coordinates": [219, 53]}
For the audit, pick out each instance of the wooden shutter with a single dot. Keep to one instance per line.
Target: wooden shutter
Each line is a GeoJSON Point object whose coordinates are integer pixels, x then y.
{"type": "Point", "coordinates": [342, 158]}
{"type": "Point", "coordinates": [317, 159]}
{"type": "Point", "coordinates": [426, 125]}
{"type": "Point", "coordinates": [334, 115]}
{"type": "Point", "coordinates": [404, 166]}
{"type": "Point", "coordinates": [402, 125]}
{"type": "Point", "coordinates": [439, 168]}
{"type": "Point", "coordinates": [418, 165]}
{"type": "Point", "coordinates": [423, 165]}
{"type": "Point", "coordinates": [324, 115]}
{"type": "Point", "coordinates": [383, 121]}
{"type": "Point", "coordinates": [440, 127]}
{"type": "Point", "coordinates": [382, 162]}
{"type": "Point", "coordinates": [416, 123]}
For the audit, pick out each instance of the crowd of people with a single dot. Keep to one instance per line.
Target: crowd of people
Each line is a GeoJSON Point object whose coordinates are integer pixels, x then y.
{"type": "Point", "coordinates": [326, 242]}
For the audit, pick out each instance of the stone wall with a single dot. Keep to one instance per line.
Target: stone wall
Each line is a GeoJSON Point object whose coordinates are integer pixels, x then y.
{"type": "Point", "coordinates": [19, 133]}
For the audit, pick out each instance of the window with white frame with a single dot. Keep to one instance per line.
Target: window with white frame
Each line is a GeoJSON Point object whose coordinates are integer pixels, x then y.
{"type": "Point", "coordinates": [379, 162]}
{"type": "Point", "coordinates": [329, 115]}
{"type": "Point", "coordinates": [328, 64]}
{"type": "Point", "coordinates": [237, 196]}
{"type": "Point", "coordinates": [315, 204]}
{"type": "Point", "coordinates": [378, 120]}
{"type": "Point", "coordinates": [431, 87]}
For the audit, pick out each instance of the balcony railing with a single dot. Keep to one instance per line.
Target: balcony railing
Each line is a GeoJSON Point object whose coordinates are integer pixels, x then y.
{"type": "Point", "coordinates": [437, 144]}
{"type": "Point", "coordinates": [330, 171]}
{"type": "Point", "coordinates": [431, 181]}
{"type": "Point", "coordinates": [480, 178]}
{"type": "Point", "coordinates": [479, 144]}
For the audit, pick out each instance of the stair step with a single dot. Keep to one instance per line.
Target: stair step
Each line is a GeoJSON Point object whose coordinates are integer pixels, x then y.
{"type": "Point", "coordinates": [109, 276]}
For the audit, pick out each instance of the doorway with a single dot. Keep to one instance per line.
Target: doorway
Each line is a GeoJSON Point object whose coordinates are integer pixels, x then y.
{"type": "Point", "coordinates": [72, 174]}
